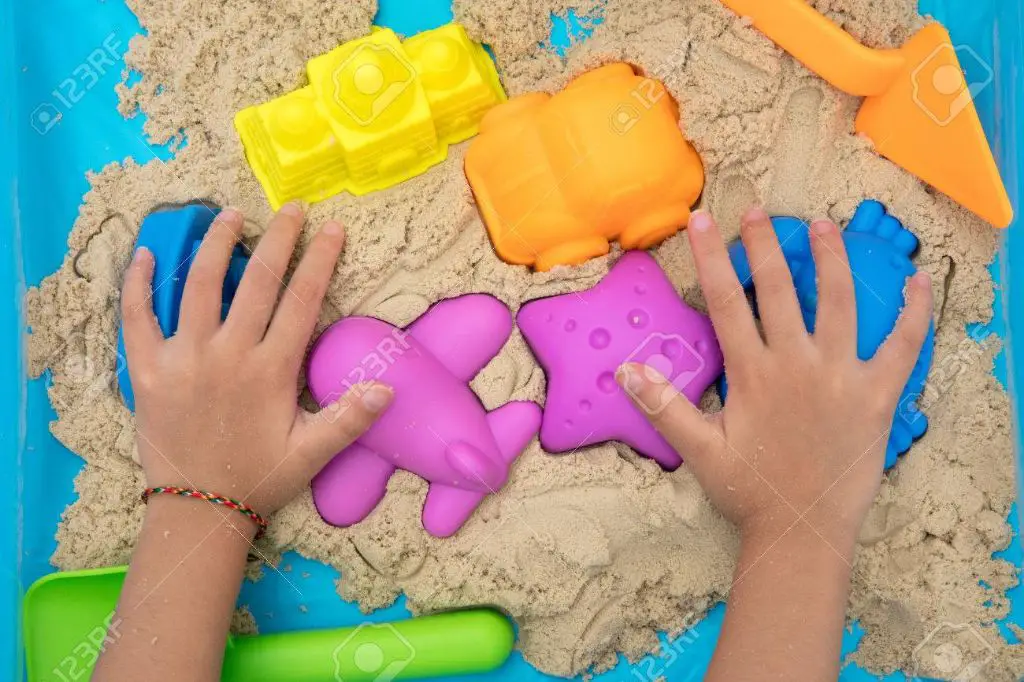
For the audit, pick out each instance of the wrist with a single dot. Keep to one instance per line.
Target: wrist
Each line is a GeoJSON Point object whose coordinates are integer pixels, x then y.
{"type": "Point", "coordinates": [198, 521]}
{"type": "Point", "coordinates": [803, 535]}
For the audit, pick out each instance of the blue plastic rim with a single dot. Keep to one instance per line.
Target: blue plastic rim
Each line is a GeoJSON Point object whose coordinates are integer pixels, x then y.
{"type": "Point", "coordinates": [49, 148]}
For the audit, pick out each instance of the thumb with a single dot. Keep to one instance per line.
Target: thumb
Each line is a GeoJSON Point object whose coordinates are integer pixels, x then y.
{"type": "Point", "coordinates": [340, 422]}
{"type": "Point", "coordinates": [677, 419]}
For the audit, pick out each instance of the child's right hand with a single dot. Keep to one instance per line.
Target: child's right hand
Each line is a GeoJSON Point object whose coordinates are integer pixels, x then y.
{"type": "Point", "coordinates": [803, 436]}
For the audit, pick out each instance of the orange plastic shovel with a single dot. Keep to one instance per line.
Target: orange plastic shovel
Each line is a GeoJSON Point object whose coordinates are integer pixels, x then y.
{"type": "Point", "coordinates": [918, 107]}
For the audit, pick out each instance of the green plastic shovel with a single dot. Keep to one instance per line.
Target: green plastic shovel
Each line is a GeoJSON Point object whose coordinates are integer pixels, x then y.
{"type": "Point", "coordinates": [69, 621]}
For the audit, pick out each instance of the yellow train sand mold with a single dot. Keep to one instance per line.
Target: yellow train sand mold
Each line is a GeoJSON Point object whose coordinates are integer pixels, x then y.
{"type": "Point", "coordinates": [377, 111]}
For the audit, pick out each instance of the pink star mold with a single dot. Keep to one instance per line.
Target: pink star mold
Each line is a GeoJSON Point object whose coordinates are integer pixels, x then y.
{"type": "Point", "coordinates": [580, 339]}
{"type": "Point", "coordinates": [436, 426]}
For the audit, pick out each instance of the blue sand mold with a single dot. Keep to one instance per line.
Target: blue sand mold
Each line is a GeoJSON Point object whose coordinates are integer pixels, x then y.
{"type": "Point", "coordinates": [880, 265]}
{"type": "Point", "coordinates": [173, 237]}
{"type": "Point", "coordinates": [42, 176]}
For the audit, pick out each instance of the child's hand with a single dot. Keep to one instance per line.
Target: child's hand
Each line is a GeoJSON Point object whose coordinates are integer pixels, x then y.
{"type": "Point", "coordinates": [803, 435]}
{"type": "Point", "coordinates": [216, 404]}
{"type": "Point", "coordinates": [216, 410]}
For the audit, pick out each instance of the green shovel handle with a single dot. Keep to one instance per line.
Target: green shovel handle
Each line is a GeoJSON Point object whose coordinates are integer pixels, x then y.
{"type": "Point", "coordinates": [455, 643]}
{"type": "Point", "coordinates": [66, 617]}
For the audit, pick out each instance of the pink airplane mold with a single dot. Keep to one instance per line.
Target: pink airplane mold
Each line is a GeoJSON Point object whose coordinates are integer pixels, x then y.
{"type": "Point", "coordinates": [633, 315]}
{"type": "Point", "coordinates": [436, 426]}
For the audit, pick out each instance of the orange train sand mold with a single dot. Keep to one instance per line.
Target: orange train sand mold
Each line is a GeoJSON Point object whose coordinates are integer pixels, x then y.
{"type": "Point", "coordinates": [557, 177]}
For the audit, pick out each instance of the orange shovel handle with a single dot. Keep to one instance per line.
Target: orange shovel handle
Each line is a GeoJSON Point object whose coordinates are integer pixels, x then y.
{"type": "Point", "coordinates": [821, 46]}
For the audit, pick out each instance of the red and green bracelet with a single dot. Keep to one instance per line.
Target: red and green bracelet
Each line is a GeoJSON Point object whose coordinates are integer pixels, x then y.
{"type": "Point", "coordinates": [241, 507]}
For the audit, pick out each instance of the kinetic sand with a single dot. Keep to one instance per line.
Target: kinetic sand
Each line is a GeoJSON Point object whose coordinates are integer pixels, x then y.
{"type": "Point", "coordinates": [594, 552]}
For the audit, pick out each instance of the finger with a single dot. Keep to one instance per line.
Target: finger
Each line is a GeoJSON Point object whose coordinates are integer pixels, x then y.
{"type": "Point", "coordinates": [677, 419]}
{"type": "Point", "coordinates": [142, 332]}
{"type": "Point", "coordinates": [201, 300]}
{"type": "Point", "coordinates": [896, 358]}
{"type": "Point", "coordinates": [836, 322]}
{"type": "Point", "coordinates": [254, 303]}
{"type": "Point", "coordinates": [299, 310]}
{"type": "Point", "coordinates": [727, 304]}
{"type": "Point", "coordinates": [336, 426]}
{"type": "Point", "coordinates": [776, 294]}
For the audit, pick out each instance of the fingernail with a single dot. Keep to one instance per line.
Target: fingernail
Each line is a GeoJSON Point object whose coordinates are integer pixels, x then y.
{"type": "Point", "coordinates": [230, 215]}
{"type": "Point", "coordinates": [700, 221]}
{"type": "Point", "coordinates": [331, 228]}
{"type": "Point", "coordinates": [629, 379]}
{"type": "Point", "coordinates": [140, 254]}
{"type": "Point", "coordinates": [822, 226]}
{"type": "Point", "coordinates": [922, 279]}
{"type": "Point", "coordinates": [377, 397]}
{"type": "Point", "coordinates": [755, 214]}
{"type": "Point", "coordinates": [292, 208]}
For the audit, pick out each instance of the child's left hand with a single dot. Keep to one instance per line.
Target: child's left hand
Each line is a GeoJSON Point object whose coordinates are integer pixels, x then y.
{"type": "Point", "coordinates": [216, 404]}
{"type": "Point", "coordinates": [217, 410]}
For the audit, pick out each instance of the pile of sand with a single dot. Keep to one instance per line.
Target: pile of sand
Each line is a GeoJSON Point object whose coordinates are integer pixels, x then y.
{"type": "Point", "coordinates": [594, 552]}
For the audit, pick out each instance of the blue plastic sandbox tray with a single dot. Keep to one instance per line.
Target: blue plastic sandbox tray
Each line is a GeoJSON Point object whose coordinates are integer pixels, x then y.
{"type": "Point", "coordinates": [49, 146]}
